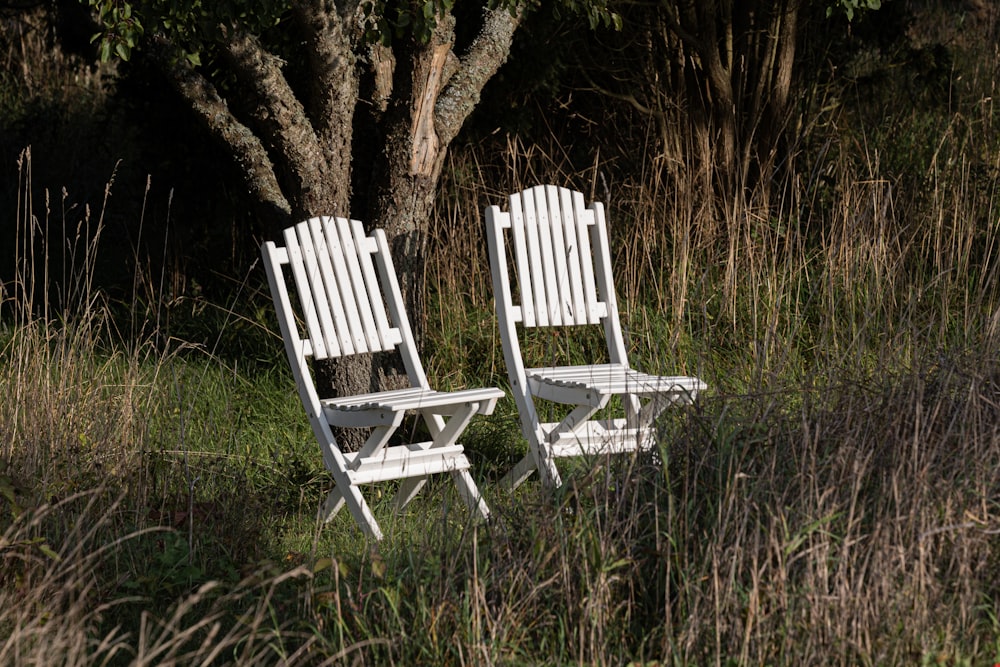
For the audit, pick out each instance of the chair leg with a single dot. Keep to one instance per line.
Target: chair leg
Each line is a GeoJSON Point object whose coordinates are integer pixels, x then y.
{"type": "Point", "coordinates": [356, 505]}
{"type": "Point", "coordinates": [362, 513]}
{"type": "Point", "coordinates": [539, 457]}
{"type": "Point", "coordinates": [334, 503]}
{"type": "Point", "coordinates": [546, 466]}
{"type": "Point", "coordinates": [645, 417]}
{"type": "Point", "coordinates": [346, 493]}
{"type": "Point", "coordinates": [443, 434]}
{"type": "Point", "coordinates": [520, 472]}
{"type": "Point", "coordinates": [470, 493]}
{"type": "Point", "coordinates": [408, 490]}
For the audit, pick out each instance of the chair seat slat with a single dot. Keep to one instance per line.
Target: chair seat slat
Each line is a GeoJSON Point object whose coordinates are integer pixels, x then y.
{"type": "Point", "coordinates": [412, 399]}
{"type": "Point", "coordinates": [609, 379]}
{"type": "Point", "coordinates": [586, 223]}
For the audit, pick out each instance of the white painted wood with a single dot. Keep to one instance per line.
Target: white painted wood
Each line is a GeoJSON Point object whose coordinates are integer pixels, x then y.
{"type": "Point", "coordinates": [381, 334]}
{"type": "Point", "coordinates": [498, 226]}
{"type": "Point", "coordinates": [547, 254]}
{"type": "Point", "coordinates": [315, 333]}
{"type": "Point", "coordinates": [329, 303]}
{"type": "Point", "coordinates": [597, 310]}
{"type": "Point", "coordinates": [535, 252]}
{"type": "Point", "coordinates": [350, 300]}
{"type": "Point", "coordinates": [350, 281]}
{"type": "Point", "coordinates": [613, 379]}
{"type": "Point", "coordinates": [563, 267]}
{"type": "Point", "coordinates": [406, 461]}
{"type": "Point", "coordinates": [415, 398]}
{"type": "Point", "coordinates": [577, 305]}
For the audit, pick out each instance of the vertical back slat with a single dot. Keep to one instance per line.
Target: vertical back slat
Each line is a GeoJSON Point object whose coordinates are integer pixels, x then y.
{"type": "Point", "coordinates": [341, 306]}
{"type": "Point", "coordinates": [585, 226]}
{"type": "Point", "coordinates": [340, 295]}
{"type": "Point", "coordinates": [345, 255]}
{"type": "Point", "coordinates": [300, 274]}
{"type": "Point", "coordinates": [310, 260]}
{"type": "Point", "coordinates": [553, 239]}
{"type": "Point", "coordinates": [331, 302]}
{"type": "Point", "coordinates": [548, 268]}
{"type": "Point", "coordinates": [387, 336]}
{"type": "Point", "coordinates": [564, 299]}
{"type": "Point", "coordinates": [530, 270]}
{"type": "Point", "coordinates": [578, 306]}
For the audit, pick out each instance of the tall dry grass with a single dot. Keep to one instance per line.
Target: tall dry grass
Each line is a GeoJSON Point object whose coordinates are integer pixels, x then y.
{"type": "Point", "coordinates": [95, 567]}
{"type": "Point", "coordinates": [834, 504]}
{"type": "Point", "coordinates": [834, 497]}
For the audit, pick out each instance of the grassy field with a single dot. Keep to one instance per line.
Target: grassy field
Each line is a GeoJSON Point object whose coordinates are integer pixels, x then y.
{"type": "Point", "coordinates": [833, 499]}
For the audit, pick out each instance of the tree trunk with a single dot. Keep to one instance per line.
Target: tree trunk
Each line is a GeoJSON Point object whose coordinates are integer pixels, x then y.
{"type": "Point", "coordinates": [295, 138]}
{"type": "Point", "coordinates": [737, 75]}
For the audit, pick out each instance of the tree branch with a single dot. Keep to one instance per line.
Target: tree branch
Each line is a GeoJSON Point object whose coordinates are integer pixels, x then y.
{"type": "Point", "coordinates": [487, 53]}
{"type": "Point", "coordinates": [280, 116]}
{"type": "Point", "coordinates": [333, 78]}
{"type": "Point", "coordinates": [208, 105]}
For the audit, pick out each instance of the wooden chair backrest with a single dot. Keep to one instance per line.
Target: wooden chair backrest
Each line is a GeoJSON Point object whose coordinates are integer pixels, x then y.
{"type": "Point", "coordinates": [559, 247]}
{"type": "Point", "coordinates": [557, 251]}
{"type": "Point", "coordinates": [333, 263]}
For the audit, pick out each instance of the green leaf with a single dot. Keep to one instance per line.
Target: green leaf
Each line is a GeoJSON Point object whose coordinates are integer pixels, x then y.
{"type": "Point", "coordinates": [322, 564]}
{"type": "Point", "coordinates": [48, 551]}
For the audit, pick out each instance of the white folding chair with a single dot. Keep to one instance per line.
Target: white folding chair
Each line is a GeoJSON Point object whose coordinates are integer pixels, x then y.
{"type": "Point", "coordinates": [350, 303]}
{"type": "Point", "coordinates": [561, 268]}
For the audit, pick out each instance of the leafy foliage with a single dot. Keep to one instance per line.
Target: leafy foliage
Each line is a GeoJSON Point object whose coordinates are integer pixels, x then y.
{"type": "Point", "coordinates": [121, 28]}
{"type": "Point", "coordinates": [194, 24]}
{"type": "Point", "coordinates": [850, 7]}
{"type": "Point", "coordinates": [395, 20]}
{"type": "Point", "coordinates": [190, 23]}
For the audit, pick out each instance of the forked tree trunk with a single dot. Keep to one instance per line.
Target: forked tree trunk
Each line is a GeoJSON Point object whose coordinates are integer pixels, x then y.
{"type": "Point", "coordinates": [300, 146]}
